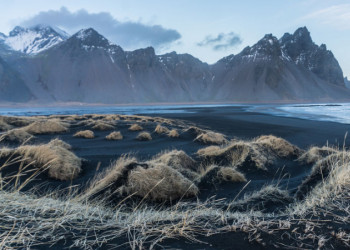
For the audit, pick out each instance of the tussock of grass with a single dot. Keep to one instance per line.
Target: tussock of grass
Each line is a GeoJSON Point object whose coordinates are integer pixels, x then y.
{"type": "Point", "coordinates": [279, 146]}
{"type": "Point", "coordinates": [15, 121]}
{"type": "Point", "coordinates": [211, 138]}
{"type": "Point", "coordinates": [230, 174]}
{"type": "Point", "coordinates": [267, 199]}
{"type": "Point", "coordinates": [144, 136]}
{"type": "Point", "coordinates": [194, 130]}
{"type": "Point", "coordinates": [4, 126]}
{"type": "Point", "coordinates": [16, 135]}
{"type": "Point", "coordinates": [173, 133]}
{"type": "Point", "coordinates": [135, 127]}
{"type": "Point", "coordinates": [116, 135]}
{"type": "Point", "coordinates": [315, 154]}
{"type": "Point", "coordinates": [161, 129]}
{"type": "Point", "coordinates": [46, 127]}
{"type": "Point", "coordinates": [151, 180]}
{"type": "Point", "coordinates": [88, 134]}
{"type": "Point", "coordinates": [102, 126]}
{"type": "Point", "coordinates": [214, 174]}
{"type": "Point", "coordinates": [54, 157]}
{"type": "Point", "coordinates": [259, 153]}
{"type": "Point", "coordinates": [178, 160]}
{"type": "Point", "coordinates": [160, 183]}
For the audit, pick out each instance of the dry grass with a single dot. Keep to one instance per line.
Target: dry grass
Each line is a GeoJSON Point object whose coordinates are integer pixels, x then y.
{"type": "Point", "coordinates": [315, 222]}
{"type": "Point", "coordinates": [135, 127]}
{"type": "Point", "coordinates": [213, 174]}
{"type": "Point", "coordinates": [230, 174]}
{"type": "Point", "coordinates": [262, 152]}
{"type": "Point", "coordinates": [160, 183]}
{"type": "Point", "coordinates": [101, 126]}
{"type": "Point", "coordinates": [149, 180]}
{"type": "Point", "coordinates": [211, 138]}
{"type": "Point", "coordinates": [315, 154]}
{"type": "Point", "coordinates": [173, 133]}
{"type": "Point", "coordinates": [116, 135]}
{"type": "Point", "coordinates": [16, 135]}
{"type": "Point", "coordinates": [54, 157]}
{"type": "Point", "coordinates": [161, 129]}
{"type": "Point", "coordinates": [4, 126]}
{"type": "Point", "coordinates": [178, 160]}
{"type": "Point", "coordinates": [279, 146]}
{"type": "Point", "coordinates": [144, 136]}
{"type": "Point", "coordinates": [46, 127]}
{"type": "Point", "coordinates": [88, 134]}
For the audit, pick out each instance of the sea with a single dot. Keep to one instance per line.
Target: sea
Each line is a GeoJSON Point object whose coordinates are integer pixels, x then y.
{"type": "Point", "coordinates": [334, 112]}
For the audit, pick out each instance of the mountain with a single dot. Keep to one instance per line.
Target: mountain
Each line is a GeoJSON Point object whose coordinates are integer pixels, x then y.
{"type": "Point", "coordinates": [347, 82]}
{"type": "Point", "coordinates": [33, 40]}
{"type": "Point", "coordinates": [86, 67]}
{"type": "Point", "coordinates": [12, 86]}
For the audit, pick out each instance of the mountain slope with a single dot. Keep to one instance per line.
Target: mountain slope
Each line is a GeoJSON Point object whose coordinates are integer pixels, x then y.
{"type": "Point", "coordinates": [12, 87]}
{"type": "Point", "coordinates": [86, 67]}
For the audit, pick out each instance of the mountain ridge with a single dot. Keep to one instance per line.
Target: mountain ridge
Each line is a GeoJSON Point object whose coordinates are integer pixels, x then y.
{"type": "Point", "coordinates": [86, 67]}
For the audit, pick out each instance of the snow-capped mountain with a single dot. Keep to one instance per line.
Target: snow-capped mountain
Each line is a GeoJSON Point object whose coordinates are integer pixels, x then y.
{"type": "Point", "coordinates": [35, 39]}
{"type": "Point", "coordinates": [86, 67]}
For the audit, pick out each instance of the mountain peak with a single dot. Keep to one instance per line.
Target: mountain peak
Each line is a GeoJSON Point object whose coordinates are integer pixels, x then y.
{"type": "Point", "coordinates": [90, 37]}
{"type": "Point", "coordinates": [34, 39]}
{"type": "Point", "coordinates": [16, 30]}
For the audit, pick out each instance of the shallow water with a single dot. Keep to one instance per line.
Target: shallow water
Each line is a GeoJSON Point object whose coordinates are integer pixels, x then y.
{"type": "Point", "coordinates": [335, 112]}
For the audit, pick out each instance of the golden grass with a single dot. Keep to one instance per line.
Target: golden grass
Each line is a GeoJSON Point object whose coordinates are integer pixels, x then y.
{"type": "Point", "coordinates": [173, 133]}
{"type": "Point", "coordinates": [160, 183]}
{"type": "Point", "coordinates": [16, 135]}
{"type": "Point", "coordinates": [144, 136]}
{"type": "Point", "coordinates": [116, 135]}
{"type": "Point", "coordinates": [4, 126]}
{"type": "Point", "coordinates": [88, 134]}
{"type": "Point", "coordinates": [218, 174]}
{"type": "Point", "coordinates": [211, 138]}
{"type": "Point", "coordinates": [230, 174]}
{"type": "Point", "coordinates": [315, 154]}
{"type": "Point", "coordinates": [102, 126]}
{"type": "Point", "coordinates": [178, 160]}
{"type": "Point", "coordinates": [135, 127]}
{"type": "Point", "coordinates": [262, 151]}
{"type": "Point", "coordinates": [54, 157]}
{"type": "Point", "coordinates": [281, 147]}
{"type": "Point", "coordinates": [148, 180]}
{"type": "Point", "coordinates": [161, 129]}
{"type": "Point", "coordinates": [46, 127]}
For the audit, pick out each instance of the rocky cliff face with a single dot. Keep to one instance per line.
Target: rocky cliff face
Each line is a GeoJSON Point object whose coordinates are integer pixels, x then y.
{"type": "Point", "coordinates": [86, 67]}
{"type": "Point", "coordinates": [304, 52]}
{"type": "Point", "coordinates": [12, 86]}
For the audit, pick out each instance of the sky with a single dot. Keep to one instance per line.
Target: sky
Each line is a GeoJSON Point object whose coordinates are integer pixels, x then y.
{"type": "Point", "coordinates": [206, 29]}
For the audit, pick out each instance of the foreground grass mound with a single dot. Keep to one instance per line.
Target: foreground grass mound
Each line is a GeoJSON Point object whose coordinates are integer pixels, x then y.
{"type": "Point", "coordinates": [54, 157]}
{"type": "Point", "coordinates": [259, 153]}
{"type": "Point", "coordinates": [150, 180]}
{"type": "Point", "coordinates": [16, 135]}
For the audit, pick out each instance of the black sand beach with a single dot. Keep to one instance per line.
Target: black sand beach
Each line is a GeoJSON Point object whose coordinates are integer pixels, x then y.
{"type": "Point", "coordinates": [236, 122]}
{"type": "Point", "coordinates": [284, 172]}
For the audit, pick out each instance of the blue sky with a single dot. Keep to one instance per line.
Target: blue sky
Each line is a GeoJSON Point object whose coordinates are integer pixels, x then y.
{"type": "Point", "coordinates": [207, 29]}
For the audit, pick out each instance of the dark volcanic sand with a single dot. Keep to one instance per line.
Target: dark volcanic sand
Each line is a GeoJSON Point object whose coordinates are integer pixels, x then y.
{"type": "Point", "coordinates": [231, 121]}
{"type": "Point", "coordinates": [236, 122]}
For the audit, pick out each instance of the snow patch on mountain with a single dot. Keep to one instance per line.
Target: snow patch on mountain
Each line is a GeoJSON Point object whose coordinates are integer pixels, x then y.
{"type": "Point", "coordinates": [35, 39]}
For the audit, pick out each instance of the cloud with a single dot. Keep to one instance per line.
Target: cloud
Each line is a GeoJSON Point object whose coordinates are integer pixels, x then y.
{"type": "Point", "coordinates": [222, 41]}
{"type": "Point", "coordinates": [129, 35]}
{"type": "Point", "coordinates": [337, 16]}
